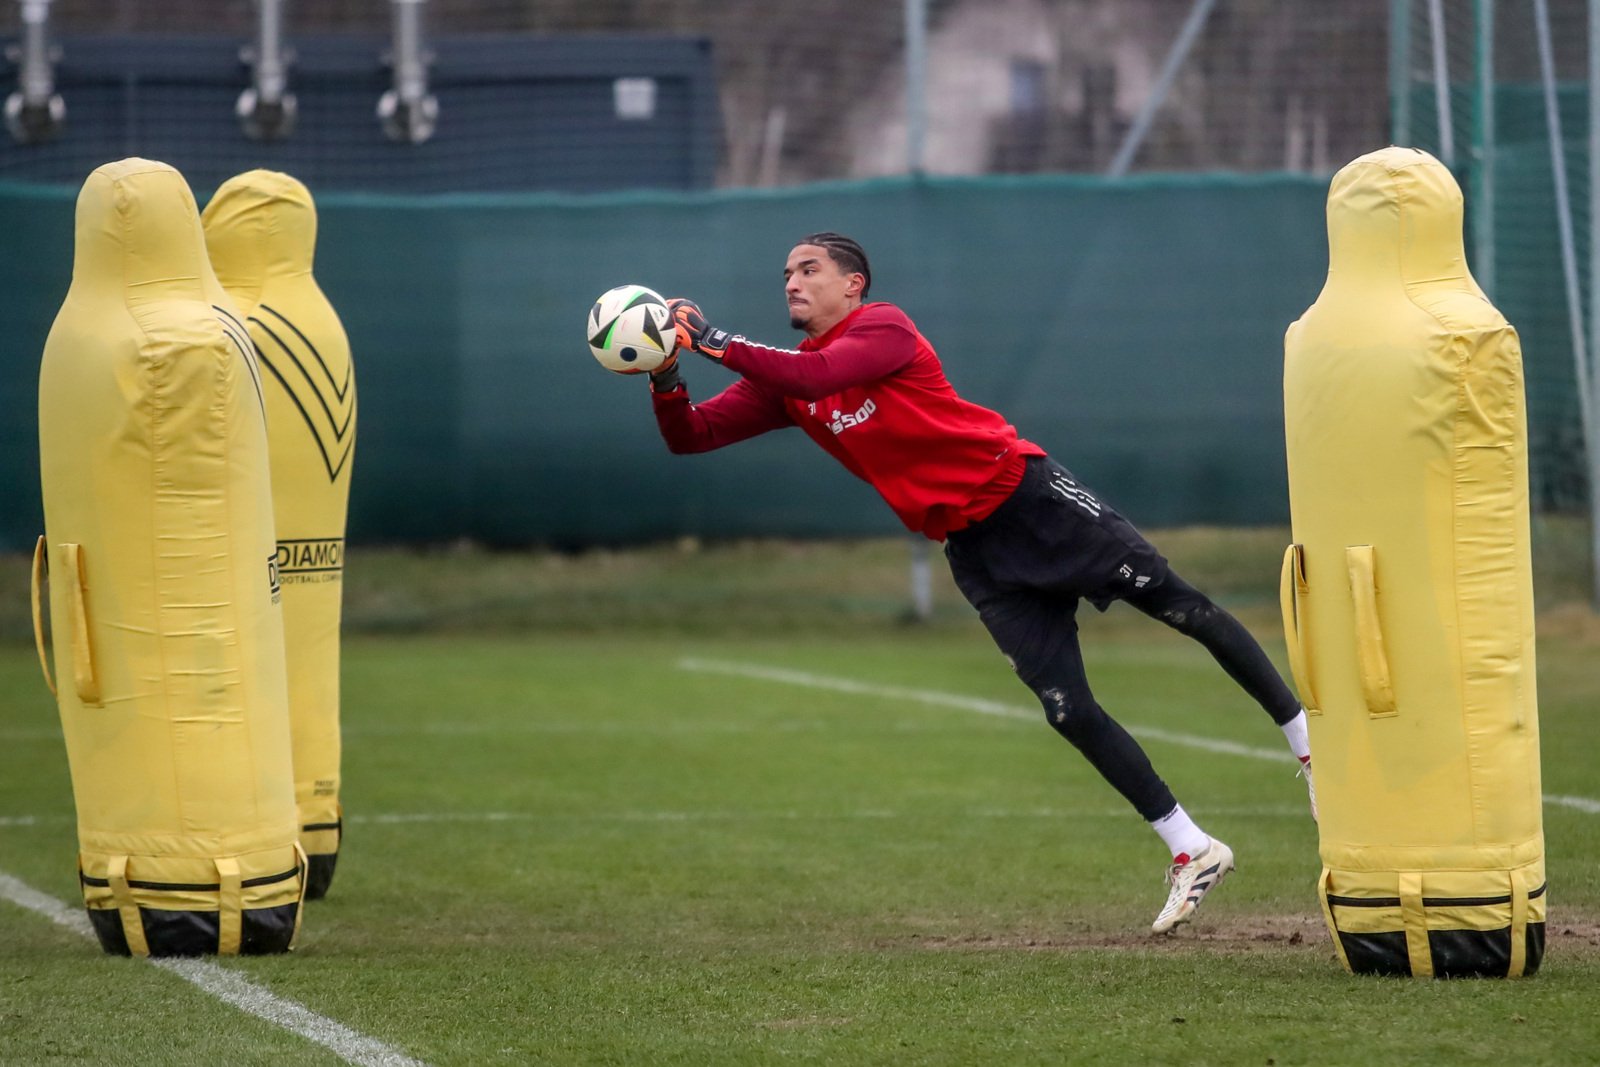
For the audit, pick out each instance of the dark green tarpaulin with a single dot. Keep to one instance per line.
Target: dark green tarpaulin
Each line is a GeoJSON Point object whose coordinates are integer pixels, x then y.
{"type": "Point", "coordinates": [1133, 328]}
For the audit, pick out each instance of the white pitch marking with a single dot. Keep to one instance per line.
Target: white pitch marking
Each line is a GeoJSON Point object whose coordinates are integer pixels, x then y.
{"type": "Point", "coordinates": [1011, 711]}
{"type": "Point", "coordinates": [234, 988]}
{"type": "Point", "coordinates": [953, 700]}
{"type": "Point", "coordinates": [229, 987]}
{"type": "Point", "coordinates": [24, 895]}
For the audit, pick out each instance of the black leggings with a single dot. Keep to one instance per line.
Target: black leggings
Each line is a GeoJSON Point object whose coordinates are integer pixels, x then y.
{"type": "Point", "coordinates": [1027, 567]}
{"type": "Point", "coordinates": [1061, 685]}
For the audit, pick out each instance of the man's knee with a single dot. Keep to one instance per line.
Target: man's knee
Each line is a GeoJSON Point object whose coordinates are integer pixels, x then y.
{"type": "Point", "coordinates": [1191, 613]}
{"type": "Point", "coordinates": [1074, 718]}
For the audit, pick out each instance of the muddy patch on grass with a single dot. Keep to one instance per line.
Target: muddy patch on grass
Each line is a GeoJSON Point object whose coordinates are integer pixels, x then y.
{"type": "Point", "coordinates": [1581, 937]}
{"type": "Point", "coordinates": [1577, 936]}
{"type": "Point", "coordinates": [1257, 932]}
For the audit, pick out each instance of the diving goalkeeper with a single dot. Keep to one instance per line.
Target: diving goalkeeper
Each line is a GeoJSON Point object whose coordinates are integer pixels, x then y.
{"type": "Point", "coordinates": [1025, 539]}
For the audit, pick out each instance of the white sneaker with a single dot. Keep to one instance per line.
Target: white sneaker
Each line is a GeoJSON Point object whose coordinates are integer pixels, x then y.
{"type": "Point", "coordinates": [1191, 880]}
{"type": "Point", "coordinates": [1311, 786]}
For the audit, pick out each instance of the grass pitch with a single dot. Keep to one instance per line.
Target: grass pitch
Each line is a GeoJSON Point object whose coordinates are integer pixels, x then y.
{"type": "Point", "coordinates": [564, 845]}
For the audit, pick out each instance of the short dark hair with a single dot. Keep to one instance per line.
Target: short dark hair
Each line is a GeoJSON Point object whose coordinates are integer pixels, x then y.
{"type": "Point", "coordinates": [850, 256]}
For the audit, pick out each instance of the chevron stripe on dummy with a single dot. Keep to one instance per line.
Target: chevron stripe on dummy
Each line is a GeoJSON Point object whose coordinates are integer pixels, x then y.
{"type": "Point", "coordinates": [261, 229]}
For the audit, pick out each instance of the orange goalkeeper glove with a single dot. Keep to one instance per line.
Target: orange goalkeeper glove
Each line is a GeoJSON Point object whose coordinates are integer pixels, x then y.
{"type": "Point", "coordinates": [695, 333]}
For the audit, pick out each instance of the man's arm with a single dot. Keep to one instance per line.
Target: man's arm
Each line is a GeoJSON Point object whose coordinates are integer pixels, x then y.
{"type": "Point", "coordinates": [866, 352]}
{"type": "Point", "coordinates": [740, 411]}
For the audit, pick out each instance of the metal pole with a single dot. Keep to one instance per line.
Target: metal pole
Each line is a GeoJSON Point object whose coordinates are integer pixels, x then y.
{"type": "Point", "coordinates": [271, 71]}
{"type": "Point", "coordinates": [408, 111]}
{"type": "Point", "coordinates": [1400, 70]}
{"type": "Point", "coordinates": [1569, 264]}
{"type": "Point", "coordinates": [1591, 435]}
{"type": "Point", "coordinates": [916, 83]}
{"type": "Point", "coordinates": [35, 112]}
{"type": "Point", "coordinates": [1484, 152]}
{"type": "Point", "coordinates": [1158, 95]}
{"type": "Point", "coordinates": [921, 580]}
{"type": "Point", "coordinates": [267, 109]}
{"type": "Point", "coordinates": [1569, 258]}
{"type": "Point", "coordinates": [1441, 83]}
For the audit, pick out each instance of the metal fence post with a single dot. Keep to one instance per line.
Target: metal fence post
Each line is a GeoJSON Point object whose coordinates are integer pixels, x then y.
{"type": "Point", "coordinates": [1484, 151]}
{"type": "Point", "coordinates": [1591, 436]}
{"type": "Point", "coordinates": [1158, 94]}
{"type": "Point", "coordinates": [1441, 84]}
{"type": "Point", "coordinates": [1400, 71]}
{"type": "Point", "coordinates": [921, 579]}
{"type": "Point", "coordinates": [916, 84]}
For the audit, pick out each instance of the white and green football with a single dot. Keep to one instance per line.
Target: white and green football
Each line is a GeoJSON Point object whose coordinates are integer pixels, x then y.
{"type": "Point", "coordinates": [631, 330]}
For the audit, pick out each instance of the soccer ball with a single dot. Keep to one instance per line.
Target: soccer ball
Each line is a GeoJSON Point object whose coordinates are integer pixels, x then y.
{"type": "Point", "coordinates": [631, 330]}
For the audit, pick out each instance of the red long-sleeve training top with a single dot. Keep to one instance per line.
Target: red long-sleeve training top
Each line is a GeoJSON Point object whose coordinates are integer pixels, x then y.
{"type": "Point", "coordinates": [871, 391]}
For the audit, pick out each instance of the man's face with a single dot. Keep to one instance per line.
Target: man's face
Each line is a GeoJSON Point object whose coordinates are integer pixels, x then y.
{"type": "Point", "coordinates": [819, 292]}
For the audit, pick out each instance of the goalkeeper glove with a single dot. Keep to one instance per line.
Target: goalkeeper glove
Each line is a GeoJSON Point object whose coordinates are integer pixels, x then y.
{"type": "Point", "coordinates": [665, 378]}
{"type": "Point", "coordinates": [695, 333]}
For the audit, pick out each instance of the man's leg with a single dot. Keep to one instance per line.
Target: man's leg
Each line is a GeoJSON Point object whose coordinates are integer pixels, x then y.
{"type": "Point", "coordinates": [1189, 611]}
{"type": "Point", "coordinates": [1040, 635]}
{"type": "Point", "coordinates": [1038, 632]}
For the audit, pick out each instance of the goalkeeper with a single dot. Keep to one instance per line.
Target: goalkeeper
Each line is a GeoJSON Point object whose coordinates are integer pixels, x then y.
{"type": "Point", "coordinates": [1026, 540]}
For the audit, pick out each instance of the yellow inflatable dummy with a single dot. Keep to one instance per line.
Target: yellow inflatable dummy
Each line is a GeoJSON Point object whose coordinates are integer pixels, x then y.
{"type": "Point", "coordinates": [1408, 597]}
{"type": "Point", "coordinates": [261, 228]}
{"type": "Point", "coordinates": [164, 615]}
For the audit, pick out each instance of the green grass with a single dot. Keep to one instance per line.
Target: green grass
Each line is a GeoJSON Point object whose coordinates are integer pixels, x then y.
{"type": "Point", "coordinates": [565, 848]}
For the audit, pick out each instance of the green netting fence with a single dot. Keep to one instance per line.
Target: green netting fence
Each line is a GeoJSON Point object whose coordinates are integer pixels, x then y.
{"type": "Point", "coordinates": [1134, 328]}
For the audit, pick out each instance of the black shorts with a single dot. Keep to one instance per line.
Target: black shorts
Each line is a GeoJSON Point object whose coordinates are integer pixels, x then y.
{"type": "Point", "coordinates": [1053, 536]}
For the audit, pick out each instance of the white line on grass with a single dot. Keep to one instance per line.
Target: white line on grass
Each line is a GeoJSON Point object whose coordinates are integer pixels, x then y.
{"type": "Point", "coordinates": [229, 987]}
{"type": "Point", "coordinates": [953, 700]}
{"type": "Point", "coordinates": [1010, 711]}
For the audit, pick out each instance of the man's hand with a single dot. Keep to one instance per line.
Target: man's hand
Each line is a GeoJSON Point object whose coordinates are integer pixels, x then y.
{"type": "Point", "coordinates": [695, 333]}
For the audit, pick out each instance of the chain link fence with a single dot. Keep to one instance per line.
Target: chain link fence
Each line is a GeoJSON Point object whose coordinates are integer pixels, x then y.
{"type": "Point", "coordinates": [846, 89]}
{"type": "Point", "coordinates": [1502, 92]}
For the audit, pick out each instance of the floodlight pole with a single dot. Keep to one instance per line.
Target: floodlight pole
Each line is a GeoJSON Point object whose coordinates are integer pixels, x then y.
{"type": "Point", "coordinates": [266, 109]}
{"type": "Point", "coordinates": [408, 111]}
{"type": "Point", "coordinates": [35, 111]}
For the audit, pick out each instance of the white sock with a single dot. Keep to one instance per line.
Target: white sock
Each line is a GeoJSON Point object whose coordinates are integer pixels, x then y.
{"type": "Point", "coordinates": [1180, 833]}
{"type": "Point", "coordinates": [1299, 737]}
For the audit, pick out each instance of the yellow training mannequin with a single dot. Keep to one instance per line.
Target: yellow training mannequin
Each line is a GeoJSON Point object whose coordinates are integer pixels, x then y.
{"type": "Point", "coordinates": [1408, 597]}
{"type": "Point", "coordinates": [167, 633]}
{"type": "Point", "coordinates": [261, 229]}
